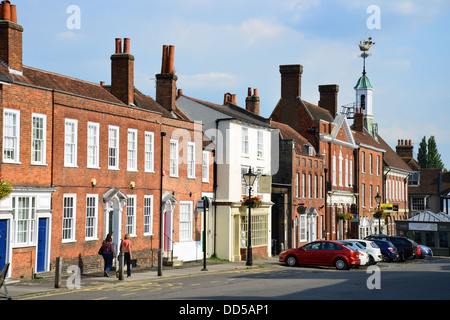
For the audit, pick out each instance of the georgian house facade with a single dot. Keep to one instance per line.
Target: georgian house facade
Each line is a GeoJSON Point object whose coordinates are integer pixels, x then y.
{"type": "Point", "coordinates": [88, 159]}
{"type": "Point", "coordinates": [242, 140]}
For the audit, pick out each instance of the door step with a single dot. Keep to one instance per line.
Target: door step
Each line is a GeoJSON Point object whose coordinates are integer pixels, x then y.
{"type": "Point", "coordinates": [172, 262]}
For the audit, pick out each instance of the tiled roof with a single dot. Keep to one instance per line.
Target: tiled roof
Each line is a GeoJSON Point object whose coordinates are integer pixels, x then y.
{"type": "Point", "coordinates": [287, 132]}
{"type": "Point", "coordinates": [317, 113]}
{"type": "Point", "coordinates": [428, 216]}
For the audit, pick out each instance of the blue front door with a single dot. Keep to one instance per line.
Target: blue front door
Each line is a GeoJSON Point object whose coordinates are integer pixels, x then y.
{"type": "Point", "coordinates": [42, 245]}
{"type": "Point", "coordinates": [3, 242]}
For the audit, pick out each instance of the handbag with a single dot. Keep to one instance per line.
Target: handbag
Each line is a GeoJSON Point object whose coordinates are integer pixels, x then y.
{"type": "Point", "coordinates": [100, 251]}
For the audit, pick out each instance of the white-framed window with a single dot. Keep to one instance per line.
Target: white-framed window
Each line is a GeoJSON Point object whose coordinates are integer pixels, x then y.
{"type": "Point", "coordinates": [244, 188]}
{"type": "Point", "coordinates": [321, 187]}
{"type": "Point", "coordinates": [370, 163]}
{"type": "Point", "coordinates": [93, 145]}
{"type": "Point", "coordinates": [297, 185]}
{"type": "Point", "coordinates": [244, 141]}
{"type": "Point", "coordinates": [24, 209]}
{"type": "Point", "coordinates": [303, 185]}
{"type": "Point", "coordinates": [174, 158]}
{"type": "Point", "coordinates": [346, 172]}
{"type": "Point", "coordinates": [316, 186]}
{"type": "Point", "coordinates": [350, 170]}
{"type": "Point", "coordinates": [130, 223]}
{"type": "Point", "coordinates": [91, 216]}
{"type": "Point", "coordinates": [132, 150]}
{"type": "Point", "coordinates": [191, 160]}
{"type": "Point", "coordinates": [69, 217]}
{"type": "Point", "coordinates": [11, 135]}
{"type": "Point", "coordinates": [363, 162]}
{"type": "Point", "coordinates": [186, 220]}
{"type": "Point", "coordinates": [205, 166]}
{"type": "Point", "coordinates": [70, 142]}
{"type": "Point", "coordinates": [334, 170]}
{"type": "Point", "coordinates": [378, 165]}
{"type": "Point", "coordinates": [260, 151]}
{"type": "Point", "coordinates": [363, 195]}
{"type": "Point", "coordinates": [310, 186]}
{"type": "Point", "coordinates": [340, 168]}
{"type": "Point", "coordinates": [371, 196]}
{"type": "Point", "coordinates": [148, 215]}
{"type": "Point", "coordinates": [149, 151]}
{"type": "Point", "coordinates": [113, 147]}
{"type": "Point", "coordinates": [302, 228]}
{"type": "Point", "coordinates": [38, 138]}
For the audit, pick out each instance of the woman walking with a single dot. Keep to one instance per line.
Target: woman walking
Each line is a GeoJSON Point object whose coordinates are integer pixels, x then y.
{"type": "Point", "coordinates": [108, 253]}
{"type": "Point", "coordinates": [125, 247]}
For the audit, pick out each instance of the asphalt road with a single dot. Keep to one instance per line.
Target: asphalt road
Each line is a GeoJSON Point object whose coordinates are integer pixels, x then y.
{"type": "Point", "coordinates": [413, 280]}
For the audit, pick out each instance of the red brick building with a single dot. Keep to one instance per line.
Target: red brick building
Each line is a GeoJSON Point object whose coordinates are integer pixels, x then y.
{"type": "Point", "coordinates": [88, 159]}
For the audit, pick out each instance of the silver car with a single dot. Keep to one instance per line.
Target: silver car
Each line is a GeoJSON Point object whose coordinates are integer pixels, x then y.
{"type": "Point", "coordinates": [372, 248]}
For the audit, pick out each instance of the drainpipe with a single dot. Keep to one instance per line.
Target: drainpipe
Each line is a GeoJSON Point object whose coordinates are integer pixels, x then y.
{"type": "Point", "coordinates": [161, 222]}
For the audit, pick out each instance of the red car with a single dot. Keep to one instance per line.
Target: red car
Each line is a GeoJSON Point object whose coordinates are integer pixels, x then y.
{"type": "Point", "coordinates": [322, 253]}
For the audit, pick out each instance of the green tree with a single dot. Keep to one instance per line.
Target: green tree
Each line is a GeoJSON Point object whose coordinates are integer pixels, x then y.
{"type": "Point", "coordinates": [422, 158]}
{"type": "Point", "coordinates": [433, 156]}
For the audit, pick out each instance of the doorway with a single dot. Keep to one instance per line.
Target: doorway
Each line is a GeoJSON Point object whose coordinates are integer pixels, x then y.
{"type": "Point", "coordinates": [42, 245]}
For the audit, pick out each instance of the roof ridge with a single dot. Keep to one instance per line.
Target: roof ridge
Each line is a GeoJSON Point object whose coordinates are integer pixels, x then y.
{"type": "Point", "coordinates": [62, 75]}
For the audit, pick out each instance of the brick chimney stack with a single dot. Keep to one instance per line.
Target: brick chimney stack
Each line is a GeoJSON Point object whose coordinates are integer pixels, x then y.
{"type": "Point", "coordinates": [252, 101]}
{"type": "Point", "coordinates": [291, 81]}
{"type": "Point", "coordinates": [404, 149]}
{"type": "Point", "coordinates": [358, 122]}
{"type": "Point", "coordinates": [328, 98]}
{"type": "Point", "coordinates": [122, 72]}
{"type": "Point", "coordinates": [10, 37]}
{"type": "Point", "coordinates": [166, 81]}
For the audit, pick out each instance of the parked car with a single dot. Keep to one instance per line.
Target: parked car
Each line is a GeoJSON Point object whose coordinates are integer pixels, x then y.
{"type": "Point", "coordinates": [323, 253]}
{"type": "Point", "coordinates": [388, 251]}
{"type": "Point", "coordinates": [407, 249]}
{"type": "Point", "coordinates": [372, 248]}
{"type": "Point", "coordinates": [425, 252]}
{"type": "Point", "coordinates": [363, 254]}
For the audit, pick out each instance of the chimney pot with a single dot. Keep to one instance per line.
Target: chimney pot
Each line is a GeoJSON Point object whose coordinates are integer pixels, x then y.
{"type": "Point", "coordinates": [118, 45]}
{"type": "Point", "coordinates": [233, 99]}
{"type": "Point", "coordinates": [249, 92]}
{"type": "Point", "coordinates": [126, 45]}
{"type": "Point", "coordinates": [180, 92]}
{"type": "Point", "coordinates": [6, 10]}
{"type": "Point", "coordinates": [255, 92]}
{"type": "Point", "coordinates": [171, 59]}
{"type": "Point", "coordinates": [102, 83]}
{"type": "Point", "coordinates": [13, 13]}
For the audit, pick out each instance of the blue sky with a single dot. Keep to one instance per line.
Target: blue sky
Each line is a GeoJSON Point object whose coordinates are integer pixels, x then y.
{"type": "Point", "coordinates": [228, 46]}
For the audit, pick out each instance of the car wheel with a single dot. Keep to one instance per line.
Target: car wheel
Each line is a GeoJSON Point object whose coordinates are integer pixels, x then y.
{"type": "Point", "coordinates": [386, 258]}
{"type": "Point", "coordinates": [340, 264]}
{"type": "Point", "coordinates": [291, 261]}
{"type": "Point", "coordinates": [371, 260]}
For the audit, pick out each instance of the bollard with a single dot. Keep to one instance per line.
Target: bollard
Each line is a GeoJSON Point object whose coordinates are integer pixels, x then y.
{"type": "Point", "coordinates": [160, 263]}
{"type": "Point", "coordinates": [58, 272]}
{"type": "Point", "coordinates": [120, 266]}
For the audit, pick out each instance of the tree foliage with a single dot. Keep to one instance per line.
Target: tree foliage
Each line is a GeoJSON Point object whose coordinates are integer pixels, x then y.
{"type": "Point", "coordinates": [428, 155]}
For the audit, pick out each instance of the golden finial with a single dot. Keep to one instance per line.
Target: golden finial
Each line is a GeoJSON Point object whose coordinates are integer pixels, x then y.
{"type": "Point", "coordinates": [366, 44]}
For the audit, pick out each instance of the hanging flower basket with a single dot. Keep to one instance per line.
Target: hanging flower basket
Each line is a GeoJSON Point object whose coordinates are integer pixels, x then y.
{"type": "Point", "coordinates": [345, 216]}
{"type": "Point", "coordinates": [5, 188]}
{"type": "Point", "coordinates": [254, 202]}
{"type": "Point", "coordinates": [379, 214]}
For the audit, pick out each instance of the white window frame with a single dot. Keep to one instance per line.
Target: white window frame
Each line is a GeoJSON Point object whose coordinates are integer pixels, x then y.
{"type": "Point", "coordinates": [303, 228]}
{"type": "Point", "coordinates": [244, 188]}
{"type": "Point", "coordinates": [334, 170]}
{"type": "Point", "coordinates": [93, 145]}
{"type": "Point", "coordinates": [340, 168]}
{"type": "Point", "coordinates": [186, 223]}
{"type": "Point", "coordinates": [244, 141]}
{"type": "Point", "coordinates": [69, 219]}
{"type": "Point", "coordinates": [42, 140]}
{"type": "Point", "coordinates": [113, 144]}
{"type": "Point", "coordinates": [91, 215]}
{"type": "Point", "coordinates": [363, 162]}
{"type": "Point", "coordinates": [148, 215]}
{"type": "Point", "coordinates": [205, 166]}
{"type": "Point", "coordinates": [346, 173]}
{"type": "Point", "coordinates": [132, 150]}
{"type": "Point", "coordinates": [14, 137]}
{"type": "Point", "coordinates": [174, 158]}
{"type": "Point", "coordinates": [378, 165]}
{"type": "Point", "coordinates": [363, 195]}
{"type": "Point", "coordinates": [72, 162]}
{"type": "Point", "coordinates": [297, 185]}
{"type": "Point", "coordinates": [149, 151]}
{"type": "Point", "coordinates": [130, 218]}
{"type": "Point", "coordinates": [260, 145]}
{"type": "Point", "coordinates": [191, 160]}
{"type": "Point", "coordinates": [29, 224]}
{"type": "Point", "coordinates": [303, 185]}
{"type": "Point", "coordinates": [350, 170]}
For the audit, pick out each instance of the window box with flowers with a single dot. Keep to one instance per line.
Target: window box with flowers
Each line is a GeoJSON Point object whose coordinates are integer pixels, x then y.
{"type": "Point", "coordinates": [255, 202]}
{"type": "Point", "coordinates": [345, 216]}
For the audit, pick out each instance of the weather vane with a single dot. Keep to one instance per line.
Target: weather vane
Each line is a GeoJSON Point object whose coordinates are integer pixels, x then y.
{"type": "Point", "coordinates": [364, 46]}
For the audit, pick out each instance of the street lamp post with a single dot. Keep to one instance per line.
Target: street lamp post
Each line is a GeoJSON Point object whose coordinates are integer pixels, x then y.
{"type": "Point", "coordinates": [378, 200]}
{"type": "Point", "coordinates": [249, 178]}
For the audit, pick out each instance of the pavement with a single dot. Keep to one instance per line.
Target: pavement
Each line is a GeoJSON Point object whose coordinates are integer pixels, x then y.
{"type": "Point", "coordinates": [25, 289]}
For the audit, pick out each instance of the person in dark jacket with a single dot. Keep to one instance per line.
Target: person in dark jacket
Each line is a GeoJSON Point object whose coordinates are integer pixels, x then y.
{"type": "Point", "coordinates": [108, 253]}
